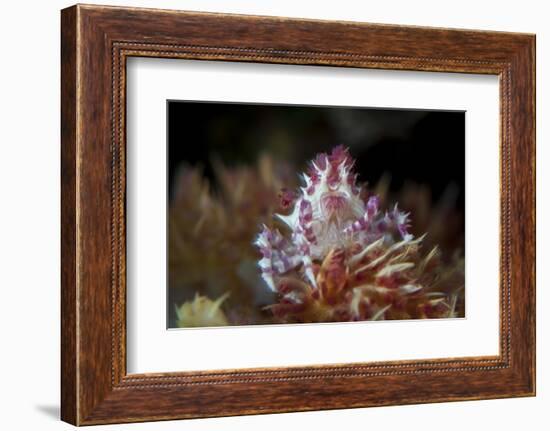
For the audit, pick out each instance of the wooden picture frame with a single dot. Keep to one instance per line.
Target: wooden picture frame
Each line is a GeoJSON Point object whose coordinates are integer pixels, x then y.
{"type": "Point", "coordinates": [96, 41]}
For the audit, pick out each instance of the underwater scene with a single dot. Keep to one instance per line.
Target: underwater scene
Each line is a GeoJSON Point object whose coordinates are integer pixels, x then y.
{"type": "Point", "coordinates": [287, 214]}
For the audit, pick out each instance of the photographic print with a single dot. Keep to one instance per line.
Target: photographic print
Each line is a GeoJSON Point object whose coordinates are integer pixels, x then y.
{"type": "Point", "coordinates": [283, 211]}
{"type": "Point", "coordinates": [288, 214]}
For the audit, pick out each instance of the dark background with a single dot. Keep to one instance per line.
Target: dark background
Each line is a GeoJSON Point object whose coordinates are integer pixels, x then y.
{"type": "Point", "coordinates": [425, 147]}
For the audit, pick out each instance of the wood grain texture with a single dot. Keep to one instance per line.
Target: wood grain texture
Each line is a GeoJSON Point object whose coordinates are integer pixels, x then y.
{"type": "Point", "coordinates": [96, 41]}
{"type": "Point", "coordinates": [69, 331]}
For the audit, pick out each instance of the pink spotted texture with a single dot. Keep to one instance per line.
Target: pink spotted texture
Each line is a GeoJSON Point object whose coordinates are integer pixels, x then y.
{"type": "Point", "coordinates": [338, 256]}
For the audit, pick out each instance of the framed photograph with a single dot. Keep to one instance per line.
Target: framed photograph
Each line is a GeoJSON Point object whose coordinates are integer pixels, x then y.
{"type": "Point", "coordinates": [264, 214]}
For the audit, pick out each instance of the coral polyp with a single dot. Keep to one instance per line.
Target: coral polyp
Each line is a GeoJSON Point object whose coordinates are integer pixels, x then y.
{"type": "Point", "coordinates": [340, 257]}
{"type": "Point", "coordinates": [202, 312]}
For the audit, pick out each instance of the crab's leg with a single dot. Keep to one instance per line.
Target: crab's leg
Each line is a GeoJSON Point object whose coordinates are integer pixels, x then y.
{"type": "Point", "coordinates": [401, 221]}
{"type": "Point", "coordinates": [278, 256]}
{"type": "Point", "coordinates": [305, 257]}
{"type": "Point", "coordinates": [364, 223]}
{"type": "Point", "coordinates": [304, 237]}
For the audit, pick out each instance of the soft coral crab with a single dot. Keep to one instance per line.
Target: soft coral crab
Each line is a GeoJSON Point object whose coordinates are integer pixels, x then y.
{"type": "Point", "coordinates": [344, 259]}
{"type": "Point", "coordinates": [330, 212]}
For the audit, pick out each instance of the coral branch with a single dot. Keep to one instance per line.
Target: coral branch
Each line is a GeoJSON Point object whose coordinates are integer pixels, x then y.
{"type": "Point", "coordinates": [344, 259]}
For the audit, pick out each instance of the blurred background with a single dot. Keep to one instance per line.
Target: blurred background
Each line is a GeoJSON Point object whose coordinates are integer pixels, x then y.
{"type": "Point", "coordinates": [425, 147]}
{"type": "Point", "coordinates": [228, 162]}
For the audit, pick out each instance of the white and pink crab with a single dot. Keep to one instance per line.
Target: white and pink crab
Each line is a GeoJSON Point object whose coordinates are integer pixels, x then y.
{"type": "Point", "coordinates": [329, 212]}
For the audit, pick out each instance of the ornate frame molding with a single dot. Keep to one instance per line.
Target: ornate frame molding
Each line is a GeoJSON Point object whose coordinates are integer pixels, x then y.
{"type": "Point", "coordinates": [96, 41]}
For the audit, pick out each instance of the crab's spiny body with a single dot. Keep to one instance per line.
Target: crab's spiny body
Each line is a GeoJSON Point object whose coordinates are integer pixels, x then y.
{"type": "Point", "coordinates": [328, 212]}
{"type": "Point", "coordinates": [345, 259]}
